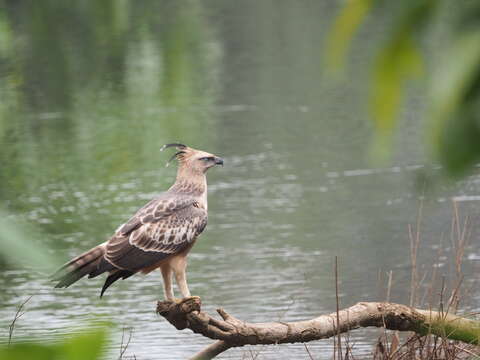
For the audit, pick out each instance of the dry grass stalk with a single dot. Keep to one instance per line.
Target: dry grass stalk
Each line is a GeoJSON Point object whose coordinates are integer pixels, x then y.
{"type": "Point", "coordinates": [339, 337]}
{"type": "Point", "coordinates": [17, 316]}
{"type": "Point", "coordinates": [433, 347]}
{"type": "Point", "coordinates": [123, 348]}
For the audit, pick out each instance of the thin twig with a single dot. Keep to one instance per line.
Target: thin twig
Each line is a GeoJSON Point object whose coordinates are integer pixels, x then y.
{"type": "Point", "coordinates": [389, 286]}
{"type": "Point", "coordinates": [340, 356]}
{"type": "Point", "coordinates": [467, 351]}
{"type": "Point", "coordinates": [123, 348]}
{"type": "Point", "coordinates": [414, 245]}
{"type": "Point", "coordinates": [308, 351]}
{"type": "Point", "coordinates": [17, 316]}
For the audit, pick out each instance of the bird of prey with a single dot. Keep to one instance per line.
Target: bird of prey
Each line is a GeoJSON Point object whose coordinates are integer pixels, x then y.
{"type": "Point", "coordinates": [159, 235]}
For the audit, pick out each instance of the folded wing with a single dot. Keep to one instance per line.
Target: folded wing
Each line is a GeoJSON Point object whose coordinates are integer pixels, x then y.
{"type": "Point", "coordinates": [165, 229]}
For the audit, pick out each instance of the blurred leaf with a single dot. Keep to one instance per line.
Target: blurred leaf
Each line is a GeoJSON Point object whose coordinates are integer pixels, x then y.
{"type": "Point", "coordinates": [399, 61]}
{"type": "Point", "coordinates": [87, 346]}
{"type": "Point", "coordinates": [455, 92]}
{"type": "Point", "coordinates": [454, 77]}
{"type": "Point", "coordinates": [18, 245]}
{"type": "Point", "coordinates": [343, 30]}
{"type": "Point", "coordinates": [28, 351]}
{"type": "Point", "coordinates": [460, 141]}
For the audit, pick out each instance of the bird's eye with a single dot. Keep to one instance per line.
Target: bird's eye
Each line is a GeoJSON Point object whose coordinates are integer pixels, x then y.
{"type": "Point", "coordinates": [206, 158]}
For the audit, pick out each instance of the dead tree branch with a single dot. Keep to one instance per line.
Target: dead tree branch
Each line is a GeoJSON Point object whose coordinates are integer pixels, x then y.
{"type": "Point", "coordinates": [232, 332]}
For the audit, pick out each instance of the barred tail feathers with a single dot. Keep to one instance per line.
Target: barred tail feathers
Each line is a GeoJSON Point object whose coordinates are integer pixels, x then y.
{"type": "Point", "coordinates": [79, 266]}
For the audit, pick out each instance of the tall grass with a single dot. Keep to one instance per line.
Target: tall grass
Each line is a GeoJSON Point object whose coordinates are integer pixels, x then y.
{"type": "Point", "coordinates": [446, 296]}
{"type": "Point", "coordinates": [427, 290]}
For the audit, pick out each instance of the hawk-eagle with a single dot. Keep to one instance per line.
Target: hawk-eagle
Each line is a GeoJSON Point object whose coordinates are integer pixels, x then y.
{"type": "Point", "coordinates": [159, 235]}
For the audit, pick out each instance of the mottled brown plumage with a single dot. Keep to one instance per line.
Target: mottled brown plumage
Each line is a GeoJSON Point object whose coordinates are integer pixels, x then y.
{"type": "Point", "coordinates": [159, 235]}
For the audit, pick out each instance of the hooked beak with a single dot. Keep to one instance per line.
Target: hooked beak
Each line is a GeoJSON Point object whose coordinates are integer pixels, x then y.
{"type": "Point", "coordinates": [218, 161]}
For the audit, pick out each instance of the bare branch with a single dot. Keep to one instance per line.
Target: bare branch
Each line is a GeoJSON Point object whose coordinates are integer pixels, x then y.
{"type": "Point", "coordinates": [211, 351]}
{"type": "Point", "coordinates": [233, 332]}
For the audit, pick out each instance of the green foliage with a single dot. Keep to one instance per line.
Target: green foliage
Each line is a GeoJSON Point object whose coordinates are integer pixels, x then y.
{"type": "Point", "coordinates": [19, 243]}
{"type": "Point", "coordinates": [454, 91]}
{"type": "Point", "coordinates": [85, 346]}
{"type": "Point", "coordinates": [397, 63]}
{"type": "Point", "coordinates": [456, 104]}
{"type": "Point", "coordinates": [345, 26]}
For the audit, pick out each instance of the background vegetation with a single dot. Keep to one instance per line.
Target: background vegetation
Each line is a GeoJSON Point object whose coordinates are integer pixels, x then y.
{"type": "Point", "coordinates": [437, 42]}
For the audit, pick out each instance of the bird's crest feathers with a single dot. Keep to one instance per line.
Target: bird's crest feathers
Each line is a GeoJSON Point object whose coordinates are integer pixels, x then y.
{"type": "Point", "coordinates": [184, 152]}
{"type": "Point", "coordinates": [178, 154]}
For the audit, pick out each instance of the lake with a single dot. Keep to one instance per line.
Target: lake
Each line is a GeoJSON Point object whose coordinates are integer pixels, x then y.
{"type": "Point", "coordinates": [90, 91]}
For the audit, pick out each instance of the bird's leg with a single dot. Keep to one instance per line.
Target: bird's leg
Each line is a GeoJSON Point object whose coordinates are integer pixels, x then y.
{"type": "Point", "coordinates": [181, 278]}
{"type": "Point", "coordinates": [167, 282]}
{"type": "Point", "coordinates": [179, 268]}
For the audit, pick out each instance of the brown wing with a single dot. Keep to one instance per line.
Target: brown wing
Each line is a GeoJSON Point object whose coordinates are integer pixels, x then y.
{"type": "Point", "coordinates": [156, 209]}
{"type": "Point", "coordinates": [163, 227]}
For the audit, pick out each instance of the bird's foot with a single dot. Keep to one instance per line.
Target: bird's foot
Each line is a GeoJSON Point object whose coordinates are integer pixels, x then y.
{"type": "Point", "coordinates": [187, 299]}
{"type": "Point", "coordinates": [176, 310]}
{"type": "Point", "coordinates": [178, 301]}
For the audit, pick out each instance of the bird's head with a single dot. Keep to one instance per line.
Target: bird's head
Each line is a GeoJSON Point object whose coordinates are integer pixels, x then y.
{"type": "Point", "coordinates": [192, 160]}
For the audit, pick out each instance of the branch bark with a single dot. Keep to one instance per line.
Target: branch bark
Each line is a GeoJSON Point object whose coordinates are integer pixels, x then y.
{"type": "Point", "coordinates": [232, 332]}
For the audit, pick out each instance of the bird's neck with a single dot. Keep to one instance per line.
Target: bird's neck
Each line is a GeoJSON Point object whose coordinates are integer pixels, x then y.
{"type": "Point", "coordinates": [190, 183]}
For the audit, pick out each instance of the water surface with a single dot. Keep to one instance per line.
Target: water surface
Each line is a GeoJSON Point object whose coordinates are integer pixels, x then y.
{"type": "Point", "coordinates": [90, 92]}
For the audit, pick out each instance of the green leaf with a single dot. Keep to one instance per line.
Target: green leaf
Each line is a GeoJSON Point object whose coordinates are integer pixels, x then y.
{"type": "Point", "coordinates": [343, 30]}
{"type": "Point", "coordinates": [85, 346]}
{"type": "Point", "coordinates": [452, 80]}
{"type": "Point", "coordinates": [28, 351]}
{"type": "Point", "coordinates": [459, 145]}
{"type": "Point", "coordinates": [455, 113]}
{"type": "Point", "coordinates": [399, 61]}
{"type": "Point", "coordinates": [18, 245]}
